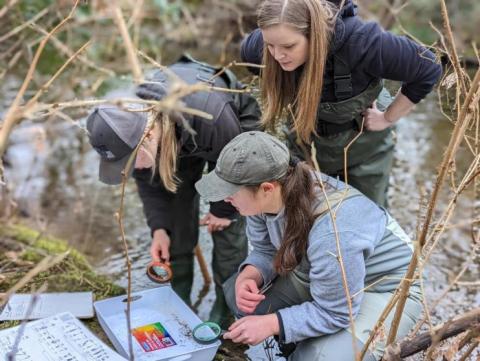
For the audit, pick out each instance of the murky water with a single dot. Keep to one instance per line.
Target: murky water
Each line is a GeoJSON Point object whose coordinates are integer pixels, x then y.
{"type": "Point", "coordinates": [52, 173]}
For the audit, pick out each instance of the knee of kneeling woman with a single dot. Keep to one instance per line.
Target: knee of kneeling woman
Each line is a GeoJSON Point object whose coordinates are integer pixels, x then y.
{"type": "Point", "coordinates": [229, 292]}
{"type": "Point", "coordinates": [337, 346]}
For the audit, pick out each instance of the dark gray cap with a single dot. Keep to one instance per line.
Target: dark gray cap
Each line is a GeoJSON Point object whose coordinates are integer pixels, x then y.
{"type": "Point", "coordinates": [114, 133]}
{"type": "Point", "coordinates": [248, 159]}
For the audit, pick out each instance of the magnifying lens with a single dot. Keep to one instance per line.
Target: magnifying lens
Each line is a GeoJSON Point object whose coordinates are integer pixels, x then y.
{"type": "Point", "coordinates": [207, 332]}
{"type": "Point", "coordinates": [159, 272]}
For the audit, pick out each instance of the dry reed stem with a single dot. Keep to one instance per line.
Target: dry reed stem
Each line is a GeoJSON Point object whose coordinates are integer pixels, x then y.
{"type": "Point", "coordinates": [119, 215]}
{"type": "Point", "coordinates": [127, 40]}
{"type": "Point", "coordinates": [68, 52]}
{"type": "Point", "coordinates": [207, 280]}
{"type": "Point", "coordinates": [30, 307]}
{"type": "Point", "coordinates": [7, 7]}
{"type": "Point", "coordinates": [24, 25]}
{"type": "Point", "coordinates": [168, 104]}
{"type": "Point", "coordinates": [13, 61]}
{"type": "Point", "coordinates": [44, 87]}
{"type": "Point", "coordinates": [339, 255]}
{"type": "Point", "coordinates": [380, 322]}
{"type": "Point", "coordinates": [17, 44]}
{"type": "Point", "coordinates": [457, 136]}
{"type": "Point", "coordinates": [449, 287]}
{"type": "Point", "coordinates": [469, 351]}
{"type": "Point", "coordinates": [43, 265]}
{"type": "Point", "coordinates": [345, 150]}
{"type": "Point", "coordinates": [438, 230]}
{"type": "Point", "coordinates": [11, 115]}
{"type": "Point", "coordinates": [452, 50]}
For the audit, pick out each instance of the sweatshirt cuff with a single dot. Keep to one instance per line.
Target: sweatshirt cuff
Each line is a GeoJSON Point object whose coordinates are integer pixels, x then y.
{"type": "Point", "coordinates": [414, 98]}
{"type": "Point", "coordinates": [281, 330]}
{"type": "Point", "coordinates": [262, 264]}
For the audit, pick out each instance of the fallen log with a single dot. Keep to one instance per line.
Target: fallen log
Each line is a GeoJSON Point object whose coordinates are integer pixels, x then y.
{"type": "Point", "coordinates": [450, 328]}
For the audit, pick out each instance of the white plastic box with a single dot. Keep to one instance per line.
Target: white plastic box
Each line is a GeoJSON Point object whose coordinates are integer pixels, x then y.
{"type": "Point", "coordinates": [161, 326]}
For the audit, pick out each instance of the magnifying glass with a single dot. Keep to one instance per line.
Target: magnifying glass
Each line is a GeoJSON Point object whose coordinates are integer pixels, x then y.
{"type": "Point", "coordinates": [207, 332]}
{"type": "Point", "coordinates": [159, 272]}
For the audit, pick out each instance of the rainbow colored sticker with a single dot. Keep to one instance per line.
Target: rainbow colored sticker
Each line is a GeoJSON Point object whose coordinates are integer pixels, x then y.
{"type": "Point", "coordinates": [153, 337]}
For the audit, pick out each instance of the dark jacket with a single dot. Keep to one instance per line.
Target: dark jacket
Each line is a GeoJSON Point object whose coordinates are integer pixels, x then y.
{"type": "Point", "coordinates": [370, 53]}
{"type": "Point", "coordinates": [232, 114]}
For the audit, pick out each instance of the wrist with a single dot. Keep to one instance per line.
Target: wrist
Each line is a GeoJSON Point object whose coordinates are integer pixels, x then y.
{"type": "Point", "coordinates": [388, 117]}
{"type": "Point", "coordinates": [251, 272]}
{"type": "Point", "coordinates": [274, 323]}
{"type": "Point", "coordinates": [160, 232]}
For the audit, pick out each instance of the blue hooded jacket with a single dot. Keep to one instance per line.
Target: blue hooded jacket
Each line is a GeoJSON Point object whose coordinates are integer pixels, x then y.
{"type": "Point", "coordinates": [370, 53]}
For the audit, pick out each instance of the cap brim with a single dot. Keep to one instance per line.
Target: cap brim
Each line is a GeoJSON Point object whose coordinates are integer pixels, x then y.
{"type": "Point", "coordinates": [111, 172]}
{"type": "Point", "coordinates": [215, 189]}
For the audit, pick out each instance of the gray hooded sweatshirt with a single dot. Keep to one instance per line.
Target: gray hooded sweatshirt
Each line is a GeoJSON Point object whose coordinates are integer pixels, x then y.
{"type": "Point", "coordinates": [375, 250]}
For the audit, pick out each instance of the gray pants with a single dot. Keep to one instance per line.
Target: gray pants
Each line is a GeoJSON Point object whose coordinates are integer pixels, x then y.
{"type": "Point", "coordinates": [294, 289]}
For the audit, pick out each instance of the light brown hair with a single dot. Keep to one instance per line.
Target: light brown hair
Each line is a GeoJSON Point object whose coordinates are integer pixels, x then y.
{"type": "Point", "coordinates": [167, 151]}
{"type": "Point", "coordinates": [314, 19]}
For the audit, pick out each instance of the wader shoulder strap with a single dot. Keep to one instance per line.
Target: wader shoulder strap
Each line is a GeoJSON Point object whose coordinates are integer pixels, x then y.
{"type": "Point", "coordinates": [227, 76]}
{"type": "Point", "coordinates": [322, 210]}
{"type": "Point", "coordinates": [207, 71]}
{"type": "Point", "coordinates": [334, 198]}
{"type": "Point", "coordinates": [342, 79]}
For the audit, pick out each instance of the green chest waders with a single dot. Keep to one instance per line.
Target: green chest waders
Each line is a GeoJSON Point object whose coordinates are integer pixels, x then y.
{"type": "Point", "coordinates": [369, 158]}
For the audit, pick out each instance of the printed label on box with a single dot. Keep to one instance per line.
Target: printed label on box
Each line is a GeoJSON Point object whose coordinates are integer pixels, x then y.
{"type": "Point", "coordinates": [153, 337]}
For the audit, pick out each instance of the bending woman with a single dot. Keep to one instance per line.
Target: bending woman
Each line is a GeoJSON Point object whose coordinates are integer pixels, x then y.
{"type": "Point", "coordinates": [329, 69]}
{"type": "Point", "coordinates": [294, 257]}
{"type": "Point", "coordinates": [169, 163]}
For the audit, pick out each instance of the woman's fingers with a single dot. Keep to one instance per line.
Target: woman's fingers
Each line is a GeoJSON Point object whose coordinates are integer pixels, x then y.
{"type": "Point", "coordinates": [249, 296]}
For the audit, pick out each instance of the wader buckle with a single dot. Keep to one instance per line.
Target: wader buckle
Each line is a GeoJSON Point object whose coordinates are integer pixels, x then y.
{"type": "Point", "coordinates": [343, 86]}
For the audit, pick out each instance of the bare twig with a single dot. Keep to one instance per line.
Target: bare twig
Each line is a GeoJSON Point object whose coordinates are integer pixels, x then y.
{"type": "Point", "coordinates": [339, 252]}
{"type": "Point", "coordinates": [11, 116]}
{"type": "Point", "coordinates": [441, 332]}
{"type": "Point", "coordinates": [127, 40]}
{"type": "Point", "coordinates": [458, 133]}
{"type": "Point", "coordinates": [24, 25]}
{"type": "Point", "coordinates": [7, 7]}
{"type": "Point", "coordinates": [68, 52]}
{"type": "Point", "coordinates": [44, 264]}
{"type": "Point", "coordinates": [31, 306]}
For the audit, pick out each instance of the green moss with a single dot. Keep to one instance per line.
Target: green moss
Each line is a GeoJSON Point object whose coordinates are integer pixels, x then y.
{"type": "Point", "coordinates": [72, 274]}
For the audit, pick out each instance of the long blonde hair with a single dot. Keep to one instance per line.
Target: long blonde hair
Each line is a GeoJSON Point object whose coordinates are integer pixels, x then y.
{"type": "Point", "coordinates": [315, 20]}
{"type": "Point", "coordinates": [164, 133]}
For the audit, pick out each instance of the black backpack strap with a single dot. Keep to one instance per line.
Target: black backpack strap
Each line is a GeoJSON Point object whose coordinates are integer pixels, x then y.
{"type": "Point", "coordinates": [342, 79]}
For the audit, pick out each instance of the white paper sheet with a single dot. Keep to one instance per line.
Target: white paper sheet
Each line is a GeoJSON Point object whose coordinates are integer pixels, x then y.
{"type": "Point", "coordinates": [58, 338]}
{"type": "Point", "coordinates": [80, 304]}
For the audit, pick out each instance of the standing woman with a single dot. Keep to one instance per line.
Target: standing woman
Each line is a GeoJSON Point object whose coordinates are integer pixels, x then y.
{"type": "Point", "coordinates": [170, 161]}
{"type": "Point", "coordinates": [328, 65]}
{"type": "Point", "coordinates": [294, 240]}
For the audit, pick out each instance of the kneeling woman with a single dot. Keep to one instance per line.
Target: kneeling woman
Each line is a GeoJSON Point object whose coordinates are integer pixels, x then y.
{"type": "Point", "coordinates": [294, 257]}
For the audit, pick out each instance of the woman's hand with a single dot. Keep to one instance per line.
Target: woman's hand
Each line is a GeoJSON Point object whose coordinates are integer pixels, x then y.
{"type": "Point", "coordinates": [374, 119]}
{"type": "Point", "coordinates": [252, 330]}
{"type": "Point", "coordinates": [160, 247]}
{"type": "Point", "coordinates": [247, 294]}
{"type": "Point", "coordinates": [215, 224]}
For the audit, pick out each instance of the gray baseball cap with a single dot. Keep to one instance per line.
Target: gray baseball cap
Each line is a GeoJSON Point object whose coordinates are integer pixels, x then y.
{"type": "Point", "coordinates": [248, 159]}
{"type": "Point", "coordinates": [114, 133]}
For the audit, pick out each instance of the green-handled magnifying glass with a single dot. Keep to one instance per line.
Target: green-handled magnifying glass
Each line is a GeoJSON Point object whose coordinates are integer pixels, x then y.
{"type": "Point", "coordinates": [207, 332]}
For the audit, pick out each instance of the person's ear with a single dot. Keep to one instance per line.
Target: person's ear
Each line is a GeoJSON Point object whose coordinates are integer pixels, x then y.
{"type": "Point", "coordinates": [267, 187]}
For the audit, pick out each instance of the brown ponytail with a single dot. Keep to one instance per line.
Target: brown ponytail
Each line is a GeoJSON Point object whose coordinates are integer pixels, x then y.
{"type": "Point", "coordinates": [298, 197]}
